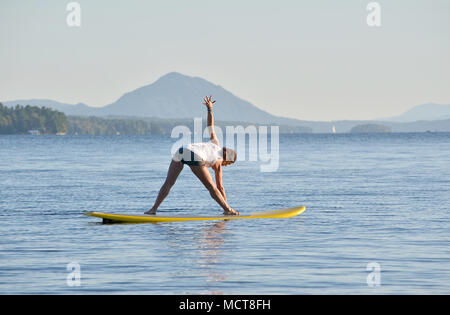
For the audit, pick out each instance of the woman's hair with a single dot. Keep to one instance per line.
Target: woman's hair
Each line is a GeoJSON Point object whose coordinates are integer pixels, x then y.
{"type": "Point", "coordinates": [229, 155]}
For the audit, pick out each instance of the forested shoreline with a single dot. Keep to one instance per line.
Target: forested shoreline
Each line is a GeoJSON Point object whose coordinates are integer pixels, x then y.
{"type": "Point", "coordinates": [42, 120]}
{"type": "Point", "coordinates": [24, 119]}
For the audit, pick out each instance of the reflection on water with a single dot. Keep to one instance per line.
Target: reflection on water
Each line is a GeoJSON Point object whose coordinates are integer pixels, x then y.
{"type": "Point", "coordinates": [201, 246]}
{"type": "Point", "coordinates": [211, 250]}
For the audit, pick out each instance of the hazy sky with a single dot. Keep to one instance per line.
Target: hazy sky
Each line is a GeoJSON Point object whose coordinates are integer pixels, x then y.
{"type": "Point", "coordinates": [315, 60]}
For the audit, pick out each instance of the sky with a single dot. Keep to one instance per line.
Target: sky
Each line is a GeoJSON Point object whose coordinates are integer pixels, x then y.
{"type": "Point", "coordinates": [313, 60]}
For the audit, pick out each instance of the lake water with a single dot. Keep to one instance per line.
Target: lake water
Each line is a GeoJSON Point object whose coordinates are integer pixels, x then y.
{"type": "Point", "coordinates": [382, 200]}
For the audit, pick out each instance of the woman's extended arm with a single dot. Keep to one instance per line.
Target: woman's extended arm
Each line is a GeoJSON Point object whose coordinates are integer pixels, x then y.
{"type": "Point", "coordinates": [208, 102]}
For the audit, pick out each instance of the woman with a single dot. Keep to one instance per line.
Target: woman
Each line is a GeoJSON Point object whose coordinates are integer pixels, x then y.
{"type": "Point", "coordinates": [200, 156]}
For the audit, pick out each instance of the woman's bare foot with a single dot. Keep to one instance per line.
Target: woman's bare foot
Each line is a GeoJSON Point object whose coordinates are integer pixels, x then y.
{"type": "Point", "coordinates": [151, 211]}
{"type": "Point", "coordinates": [231, 211]}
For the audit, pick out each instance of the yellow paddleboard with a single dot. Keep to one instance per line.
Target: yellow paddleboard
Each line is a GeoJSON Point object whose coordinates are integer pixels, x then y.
{"type": "Point", "coordinates": [143, 218]}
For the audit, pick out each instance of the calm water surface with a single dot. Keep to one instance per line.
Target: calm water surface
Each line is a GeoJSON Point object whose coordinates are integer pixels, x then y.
{"type": "Point", "coordinates": [381, 199]}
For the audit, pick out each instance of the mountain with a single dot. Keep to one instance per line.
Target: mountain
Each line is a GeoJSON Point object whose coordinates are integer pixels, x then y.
{"type": "Point", "coordinates": [178, 96]}
{"type": "Point", "coordinates": [172, 96]}
{"type": "Point", "coordinates": [429, 111]}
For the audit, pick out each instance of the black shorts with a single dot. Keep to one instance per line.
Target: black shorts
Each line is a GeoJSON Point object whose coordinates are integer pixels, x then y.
{"type": "Point", "coordinates": [188, 157]}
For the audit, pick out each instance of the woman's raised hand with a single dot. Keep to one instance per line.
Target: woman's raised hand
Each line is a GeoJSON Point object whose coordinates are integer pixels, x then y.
{"type": "Point", "coordinates": [208, 102]}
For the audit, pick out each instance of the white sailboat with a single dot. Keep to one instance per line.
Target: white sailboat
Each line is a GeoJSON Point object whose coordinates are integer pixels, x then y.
{"type": "Point", "coordinates": [333, 129]}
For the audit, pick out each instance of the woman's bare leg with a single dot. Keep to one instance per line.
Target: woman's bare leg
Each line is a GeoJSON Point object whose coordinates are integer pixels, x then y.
{"type": "Point", "coordinates": [204, 175]}
{"type": "Point", "coordinates": [174, 170]}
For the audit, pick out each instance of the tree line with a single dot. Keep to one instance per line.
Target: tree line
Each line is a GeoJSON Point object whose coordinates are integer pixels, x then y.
{"type": "Point", "coordinates": [78, 125]}
{"type": "Point", "coordinates": [25, 119]}
{"type": "Point", "coordinates": [22, 119]}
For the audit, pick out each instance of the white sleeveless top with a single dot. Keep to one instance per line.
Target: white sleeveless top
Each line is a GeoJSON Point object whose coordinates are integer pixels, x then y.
{"type": "Point", "coordinates": [208, 151]}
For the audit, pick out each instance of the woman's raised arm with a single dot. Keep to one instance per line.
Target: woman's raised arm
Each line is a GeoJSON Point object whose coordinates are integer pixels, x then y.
{"type": "Point", "coordinates": [208, 102]}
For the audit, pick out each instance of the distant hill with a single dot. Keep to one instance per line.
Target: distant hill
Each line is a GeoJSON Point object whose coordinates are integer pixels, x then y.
{"type": "Point", "coordinates": [178, 96]}
{"type": "Point", "coordinates": [344, 126]}
{"type": "Point", "coordinates": [172, 96]}
{"type": "Point", "coordinates": [68, 109]}
{"type": "Point", "coordinates": [429, 111]}
{"type": "Point", "coordinates": [370, 128]}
